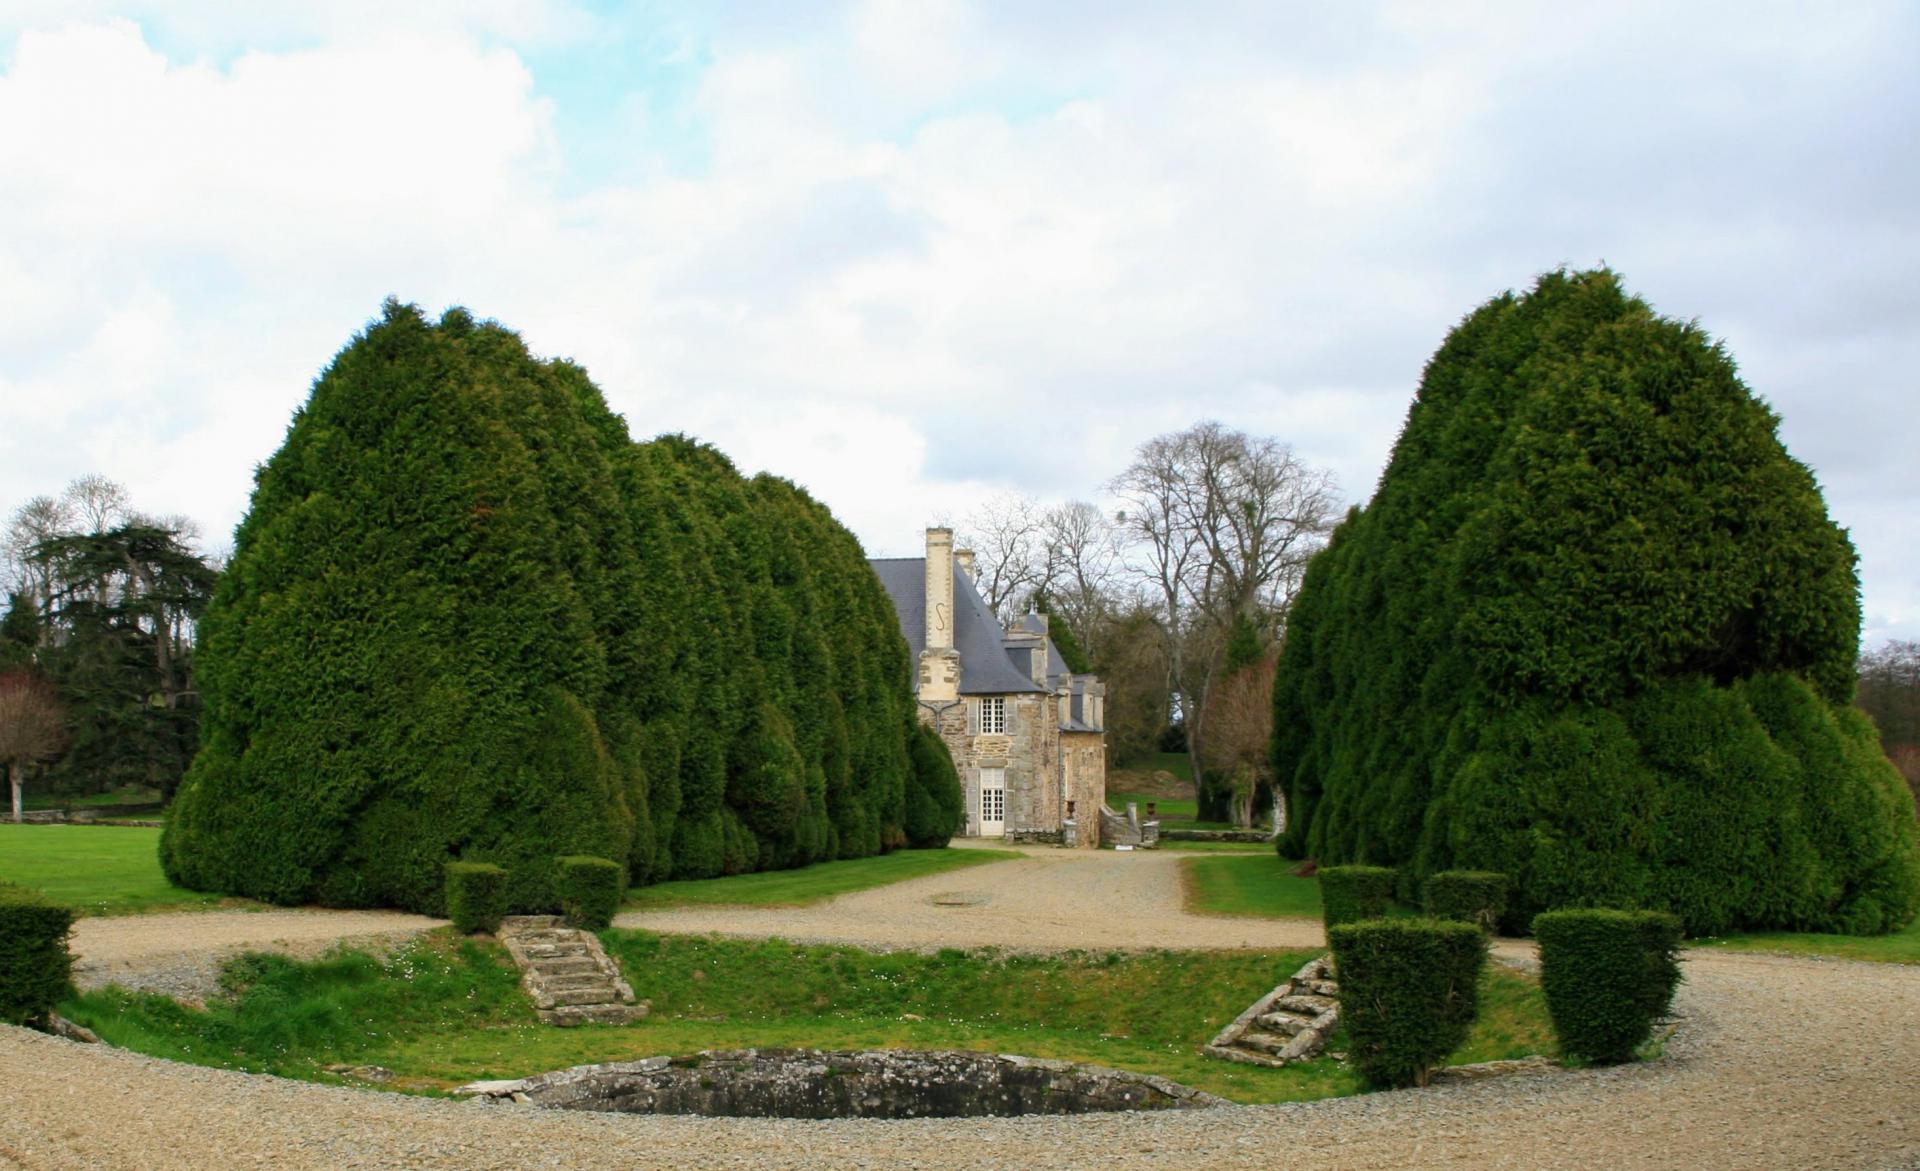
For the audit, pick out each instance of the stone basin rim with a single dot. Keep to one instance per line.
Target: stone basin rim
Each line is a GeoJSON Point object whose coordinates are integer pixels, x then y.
{"type": "Point", "coordinates": [863, 1079]}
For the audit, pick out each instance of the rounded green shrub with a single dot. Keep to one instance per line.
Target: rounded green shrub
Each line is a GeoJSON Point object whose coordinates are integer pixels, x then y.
{"type": "Point", "coordinates": [35, 966]}
{"type": "Point", "coordinates": [1609, 977]}
{"type": "Point", "coordinates": [1352, 893]}
{"type": "Point", "coordinates": [1409, 993]}
{"type": "Point", "coordinates": [476, 896]}
{"type": "Point", "coordinates": [590, 890]}
{"type": "Point", "coordinates": [1471, 896]}
{"type": "Point", "coordinates": [1594, 631]}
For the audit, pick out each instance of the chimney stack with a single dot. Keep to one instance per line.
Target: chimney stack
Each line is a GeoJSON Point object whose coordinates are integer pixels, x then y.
{"type": "Point", "coordinates": [939, 589]}
{"type": "Point", "coordinates": [965, 558]}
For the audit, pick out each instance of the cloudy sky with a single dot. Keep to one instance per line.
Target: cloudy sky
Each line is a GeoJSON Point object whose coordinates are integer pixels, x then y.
{"type": "Point", "coordinates": [912, 254]}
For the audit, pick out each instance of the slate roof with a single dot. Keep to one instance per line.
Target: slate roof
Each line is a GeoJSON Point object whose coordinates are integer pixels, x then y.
{"type": "Point", "coordinates": [985, 668]}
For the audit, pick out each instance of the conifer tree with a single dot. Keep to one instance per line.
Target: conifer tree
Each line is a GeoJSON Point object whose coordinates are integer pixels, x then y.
{"type": "Point", "coordinates": [1595, 631]}
{"type": "Point", "coordinates": [467, 617]}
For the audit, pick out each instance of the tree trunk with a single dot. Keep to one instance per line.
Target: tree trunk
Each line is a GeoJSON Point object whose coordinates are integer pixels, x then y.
{"type": "Point", "coordinates": [13, 773]}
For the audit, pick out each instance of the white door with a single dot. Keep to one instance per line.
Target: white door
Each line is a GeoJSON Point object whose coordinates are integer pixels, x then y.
{"type": "Point", "coordinates": [993, 802]}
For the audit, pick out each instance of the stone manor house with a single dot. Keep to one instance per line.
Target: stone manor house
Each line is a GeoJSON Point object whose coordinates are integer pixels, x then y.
{"type": "Point", "coordinates": [1027, 735]}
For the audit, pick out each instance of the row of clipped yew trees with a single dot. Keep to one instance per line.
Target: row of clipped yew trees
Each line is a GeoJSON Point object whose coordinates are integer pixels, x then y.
{"type": "Point", "coordinates": [1409, 987]}
{"type": "Point", "coordinates": [469, 618]}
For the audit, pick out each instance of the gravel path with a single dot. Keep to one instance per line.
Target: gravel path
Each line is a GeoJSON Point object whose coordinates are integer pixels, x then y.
{"type": "Point", "coordinates": [1781, 1063]}
{"type": "Point", "coordinates": [1048, 900]}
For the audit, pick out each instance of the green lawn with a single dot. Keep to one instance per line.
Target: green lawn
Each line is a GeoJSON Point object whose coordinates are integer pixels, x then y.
{"type": "Point", "coordinates": [1900, 947]}
{"type": "Point", "coordinates": [97, 870]}
{"type": "Point", "coordinates": [1249, 884]}
{"type": "Point", "coordinates": [445, 1010]}
{"type": "Point", "coordinates": [811, 884]}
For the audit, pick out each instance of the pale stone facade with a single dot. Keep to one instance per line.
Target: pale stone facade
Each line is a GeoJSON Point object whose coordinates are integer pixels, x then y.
{"type": "Point", "coordinates": [1026, 734]}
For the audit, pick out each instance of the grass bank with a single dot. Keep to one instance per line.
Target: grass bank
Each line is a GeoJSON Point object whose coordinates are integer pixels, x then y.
{"type": "Point", "coordinates": [1899, 947]}
{"type": "Point", "coordinates": [1259, 885]}
{"type": "Point", "coordinates": [444, 1010]}
{"type": "Point", "coordinates": [97, 870]}
{"type": "Point", "coordinates": [811, 884]}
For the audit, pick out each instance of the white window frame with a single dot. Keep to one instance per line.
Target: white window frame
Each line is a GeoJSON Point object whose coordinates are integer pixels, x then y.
{"type": "Point", "coordinates": [993, 799]}
{"type": "Point", "coordinates": [993, 715]}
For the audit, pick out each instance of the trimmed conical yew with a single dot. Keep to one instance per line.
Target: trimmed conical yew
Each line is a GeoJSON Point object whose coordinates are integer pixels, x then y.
{"type": "Point", "coordinates": [1595, 630]}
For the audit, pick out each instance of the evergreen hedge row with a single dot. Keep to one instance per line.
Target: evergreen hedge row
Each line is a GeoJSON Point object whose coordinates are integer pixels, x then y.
{"type": "Point", "coordinates": [1609, 977]}
{"type": "Point", "coordinates": [35, 966]}
{"type": "Point", "coordinates": [590, 890]}
{"type": "Point", "coordinates": [476, 896]}
{"type": "Point", "coordinates": [1472, 896]}
{"type": "Point", "coordinates": [468, 617]}
{"type": "Point", "coordinates": [1594, 631]}
{"type": "Point", "coordinates": [1409, 993]}
{"type": "Point", "coordinates": [1351, 893]}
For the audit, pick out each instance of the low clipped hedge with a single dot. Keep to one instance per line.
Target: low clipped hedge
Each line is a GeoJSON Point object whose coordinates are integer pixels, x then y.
{"type": "Point", "coordinates": [1349, 894]}
{"type": "Point", "coordinates": [1472, 896]}
{"type": "Point", "coordinates": [590, 889]}
{"type": "Point", "coordinates": [1409, 992]}
{"type": "Point", "coordinates": [476, 896]}
{"type": "Point", "coordinates": [1609, 978]}
{"type": "Point", "coordinates": [35, 966]}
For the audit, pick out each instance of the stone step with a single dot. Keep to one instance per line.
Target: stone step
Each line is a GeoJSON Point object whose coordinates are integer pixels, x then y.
{"type": "Point", "coordinates": [1264, 1043]}
{"type": "Point", "coordinates": [596, 994]}
{"type": "Point", "coordinates": [1317, 987]}
{"type": "Point", "coordinates": [575, 983]}
{"type": "Point", "coordinates": [593, 1014]}
{"type": "Point", "coordinates": [1286, 1024]}
{"type": "Point", "coordinates": [1311, 1005]}
{"type": "Point", "coordinates": [559, 967]}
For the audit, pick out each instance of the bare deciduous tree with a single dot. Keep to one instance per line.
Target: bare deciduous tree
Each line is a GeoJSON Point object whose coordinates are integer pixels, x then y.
{"type": "Point", "coordinates": [32, 726]}
{"type": "Point", "coordinates": [1239, 726]}
{"type": "Point", "coordinates": [1220, 526]}
{"type": "Point", "coordinates": [1007, 537]}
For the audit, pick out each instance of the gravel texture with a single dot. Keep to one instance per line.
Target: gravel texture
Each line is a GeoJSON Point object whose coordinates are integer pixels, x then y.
{"type": "Point", "coordinates": [1048, 900]}
{"type": "Point", "coordinates": [1780, 1062]}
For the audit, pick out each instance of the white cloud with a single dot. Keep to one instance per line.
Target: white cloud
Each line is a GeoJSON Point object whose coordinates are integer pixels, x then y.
{"type": "Point", "coordinates": [928, 252]}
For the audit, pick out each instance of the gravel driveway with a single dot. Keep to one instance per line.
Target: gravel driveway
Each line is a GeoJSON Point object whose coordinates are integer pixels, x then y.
{"type": "Point", "coordinates": [1781, 1063]}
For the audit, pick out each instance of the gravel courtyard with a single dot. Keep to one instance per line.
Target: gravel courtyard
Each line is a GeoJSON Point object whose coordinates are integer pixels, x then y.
{"type": "Point", "coordinates": [1780, 1063]}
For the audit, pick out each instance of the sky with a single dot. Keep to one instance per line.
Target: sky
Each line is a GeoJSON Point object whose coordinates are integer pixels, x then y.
{"type": "Point", "coordinates": [913, 255]}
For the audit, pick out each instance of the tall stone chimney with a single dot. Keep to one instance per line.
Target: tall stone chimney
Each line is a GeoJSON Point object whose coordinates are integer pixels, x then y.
{"type": "Point", "coordinates": [939, 589]}
{"type": "Point", "coordinates": [939, 662]}
{"type": "Point", "coordinates": [965, 558]}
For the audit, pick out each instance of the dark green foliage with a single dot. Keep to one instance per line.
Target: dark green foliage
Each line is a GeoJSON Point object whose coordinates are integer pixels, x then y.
{"type": "Point", "coordinates": [476, 896]}
{"type": "Point", "coordinates": [936, 805]}
{"type": "Point", "coordinates": [118, 654]}
{"type": "Point", "coordinates": [1409, 991]}
{"type": "Point", "coordinates": [1609, 977]}
{"type": "Point", "coordinates": [1060, 631]}
{"type": "Point", "coordinates": [1595, 631]}
{"type": "Point", "coordinates": [467, 617]}
{"type": "Point", "coordinates": [1350, 893]}
{"type": "Point", "coordinates": [590, 889]}
{"type": "Point", "coordinates": [19, 631]}
{"type": "Point", "coordinates": [1471, 896]}
{"type": "Point", "coordinates": [35, 966]}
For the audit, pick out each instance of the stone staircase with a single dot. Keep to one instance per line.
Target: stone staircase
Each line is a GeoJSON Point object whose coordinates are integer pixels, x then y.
{"type": "Point", "coordinates": [567, 974]}
{"type": "Point", "coordinates": [1289, 1024]}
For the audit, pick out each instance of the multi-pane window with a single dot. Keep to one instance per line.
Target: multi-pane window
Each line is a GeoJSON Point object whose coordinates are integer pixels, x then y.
{"type": "Point", "coordinates": [993, 715]}
{"type": "Point", "coordinates": [993, 805]}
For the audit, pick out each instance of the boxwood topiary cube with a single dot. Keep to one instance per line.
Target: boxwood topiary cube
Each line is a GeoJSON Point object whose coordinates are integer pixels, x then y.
{"type": "Point", "coordinates": [590, 890]}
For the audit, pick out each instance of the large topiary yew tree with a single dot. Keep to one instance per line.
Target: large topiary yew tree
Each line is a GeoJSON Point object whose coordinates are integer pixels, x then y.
{"type": "Point", "coordinates": [1596, 631]}
{"type": "Point", "coordinates": [468, 618]}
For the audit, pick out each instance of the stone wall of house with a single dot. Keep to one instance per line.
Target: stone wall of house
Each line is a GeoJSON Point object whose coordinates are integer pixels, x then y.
{"type": "Point", "coordinates": [1030, 754]}
{"type": "Point", "coordinates": [1084, 757]}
